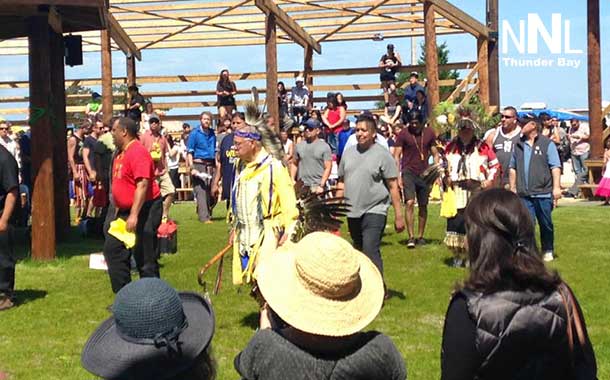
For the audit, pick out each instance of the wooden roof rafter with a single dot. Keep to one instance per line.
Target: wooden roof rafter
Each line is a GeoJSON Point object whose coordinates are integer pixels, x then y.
{"type": "Point", "coordinates": [224, 11]}
{"type": "Point", "coordinates": [160, 24]}
{"type": "Point", "coordinates": [289, 26]}
{"type": "Point", "coordinates": [377, 5]}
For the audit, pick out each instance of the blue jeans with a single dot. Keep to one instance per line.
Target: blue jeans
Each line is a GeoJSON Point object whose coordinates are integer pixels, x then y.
{"type": "Point", "coordinates": [581, 171]}
{"type": "Point", "coordinates": [366, 233]}
{"type": "Point", "coordinates": [541, 209]}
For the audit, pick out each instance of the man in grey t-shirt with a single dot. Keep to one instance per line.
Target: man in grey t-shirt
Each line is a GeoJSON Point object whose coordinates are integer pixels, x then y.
{"type": "Point", "coordinates": [313, 161]}
{"type": "Point", "coordinates": [368, 178]}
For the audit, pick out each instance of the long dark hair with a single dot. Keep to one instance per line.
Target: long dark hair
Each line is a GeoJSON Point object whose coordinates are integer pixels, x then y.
{"type": "Point", "coordinates": [222, 80]}
{"type": "Point", "coordinates": [343, 103]}
{"type": "Point", "coordinates": [284, 91]}
{"type": "Point", "coordinates": [502, 245]}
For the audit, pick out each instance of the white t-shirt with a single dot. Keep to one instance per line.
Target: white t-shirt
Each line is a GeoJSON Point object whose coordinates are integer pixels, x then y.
{"type": "Point", "coordinates": [13, 148]}
{"type": "Point", "coordinates": [577, 146]}
{"type": "Point", "coordinates": [287, 145]}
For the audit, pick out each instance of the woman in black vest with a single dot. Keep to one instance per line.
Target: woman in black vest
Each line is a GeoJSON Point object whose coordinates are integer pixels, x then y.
{"type": "Point", "coordinates": [513, 318]}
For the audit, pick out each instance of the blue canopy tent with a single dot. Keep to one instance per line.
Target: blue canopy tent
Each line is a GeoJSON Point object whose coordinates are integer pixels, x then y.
{"type": "Point", "coordinates": [561, 115]}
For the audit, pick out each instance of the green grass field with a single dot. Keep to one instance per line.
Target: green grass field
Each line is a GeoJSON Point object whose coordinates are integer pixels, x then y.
{"type": "Point", "coordinates": [63, 301]}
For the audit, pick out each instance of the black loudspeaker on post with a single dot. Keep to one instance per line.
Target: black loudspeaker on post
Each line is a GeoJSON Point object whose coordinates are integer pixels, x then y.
{"type": "Point", "coordinates": [73, 50]}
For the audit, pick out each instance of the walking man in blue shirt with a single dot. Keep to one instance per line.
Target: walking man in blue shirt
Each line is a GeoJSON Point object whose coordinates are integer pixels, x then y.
{"type": "Point", "coordinates": [201, 163]}
{"type": "Point", "coordinates": [535, 172]}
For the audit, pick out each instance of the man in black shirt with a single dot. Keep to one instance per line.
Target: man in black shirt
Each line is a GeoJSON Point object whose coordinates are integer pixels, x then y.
{"type": "Point", "coordinates": [136, 103]}
{"type": "Point", "coordinates": [9, 192]}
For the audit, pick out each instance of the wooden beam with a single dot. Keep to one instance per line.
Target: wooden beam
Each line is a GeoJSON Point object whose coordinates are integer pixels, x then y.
{"type": "Point", "coordinates": [187, 18]}
{"type": "Point", "coordinates": [294, 30]}
{"type": "Point", "coordinates": [483, 55]}
{"type": "Point", "coordinates": [255, 21]}
{"type": "Point", "coordinates": [107, 98]}
{"type": "Point", "coordinates": [271, 60]}
{"type": "Point", "coordinates": [353, 20]}
{"type": "Point", "coordinates": [431, 56]}
{"type": "Point", "coordinates": [131, 70]}
{"type": "Point", "coordinates": [493, 53]}
{"type": "Point", "coordinates": [59, 143]}
{"type": "Point", "coordinates": [595, 79]}
{"type": "Point", "coordinates": [130, 63]}
{"type": "Point", "coordinates": [461, 18]}
{"type": "Point", "coordinates": [458, 90]}
{"type": "Point", "coordinates": [469, 94]}
{"type": "Point", "coordinates": [43, 196]}
{"type": "Point", "coordinates": [345, 8]}
{"type": "Point", "coordinates": [122, 38]}
{"type": "Point", "coordinates": [71, 3]}
{"type": "Point", "coordinates": [307, 70]}
{"type": "Point", "coordinates": [224, 11]}
{"type": "Point", "coordinates": [249, 75]}
{"type": "Point", "coordinates": [55, 20]}
{"type": "Point", "coordinates": [288, 6]}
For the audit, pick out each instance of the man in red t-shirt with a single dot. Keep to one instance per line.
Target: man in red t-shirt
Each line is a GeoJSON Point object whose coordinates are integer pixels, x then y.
{"type": "Point", "coordinates": [137, 200]}
{"type": "Point", "coordinates": [415, 144]}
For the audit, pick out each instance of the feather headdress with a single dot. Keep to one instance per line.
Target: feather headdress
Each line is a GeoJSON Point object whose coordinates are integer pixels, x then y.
{"type": "Point", "coordinates": [270, 140]}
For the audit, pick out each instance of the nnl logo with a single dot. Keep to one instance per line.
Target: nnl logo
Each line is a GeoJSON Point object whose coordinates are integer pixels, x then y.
{"type": "Point", "coordinates": [558, 37]}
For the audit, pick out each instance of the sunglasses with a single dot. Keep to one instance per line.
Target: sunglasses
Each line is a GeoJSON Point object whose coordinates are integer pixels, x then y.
{"type": "Point", "coordinates": [507, 117]}
{"type": "Point", "coordinates": [3, 129]}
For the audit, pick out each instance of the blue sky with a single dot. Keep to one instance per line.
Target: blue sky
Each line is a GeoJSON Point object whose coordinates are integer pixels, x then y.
{"type": "Point", "coordinates": [561, 87]}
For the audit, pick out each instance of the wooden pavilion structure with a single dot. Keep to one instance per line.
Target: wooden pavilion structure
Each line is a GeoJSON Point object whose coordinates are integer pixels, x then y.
{"type": "Point", "coordinates": [42, 23]}
{"type": "Point", "coordinates": [135, 25]}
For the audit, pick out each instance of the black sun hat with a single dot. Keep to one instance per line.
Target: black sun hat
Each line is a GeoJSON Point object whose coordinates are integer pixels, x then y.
{"type": "Point", "coordinates": [154, 333]}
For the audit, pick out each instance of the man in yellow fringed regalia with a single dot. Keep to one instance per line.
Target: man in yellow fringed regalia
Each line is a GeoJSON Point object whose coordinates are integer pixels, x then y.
{"type": "Point", "coordinates": [263, 202]}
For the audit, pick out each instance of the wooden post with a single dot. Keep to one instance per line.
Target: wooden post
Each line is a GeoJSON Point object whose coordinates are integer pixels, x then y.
{"type": "Point", "coordinates": [307, 72]}
{"type": "Point", "coordinates": [493, 53]}
{"type": "Point", "coordinates": [60, 149]}
{"type": "Point", "coordinates": [131, 70]}
{"type": "Point", "coordinates": [273, 106]}
{"type": "Point", "coordinates": [482, 59]}
{"type": "Point", "coordinates": [431, 55]}
{"type": "Point", "coordinates": [131, 75]}
{"type": "Point", "coordinates": [595, 83]}
{"type": "Point", "coordinates": [43, 205]}
{"type": "Point", "coordinates": [107, 97]}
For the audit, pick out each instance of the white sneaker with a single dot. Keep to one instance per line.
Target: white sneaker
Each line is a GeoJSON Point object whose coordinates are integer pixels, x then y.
{"type": "Point", "coordinates": [548, 256]}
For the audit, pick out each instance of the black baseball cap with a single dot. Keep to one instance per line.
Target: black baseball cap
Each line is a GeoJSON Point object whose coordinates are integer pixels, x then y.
{"type": "Point", "coordinates": [526, 118]}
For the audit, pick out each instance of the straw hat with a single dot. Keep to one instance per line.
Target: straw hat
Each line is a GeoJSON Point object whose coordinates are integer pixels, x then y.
{"type": "Point", "coordinates": [322, 286]}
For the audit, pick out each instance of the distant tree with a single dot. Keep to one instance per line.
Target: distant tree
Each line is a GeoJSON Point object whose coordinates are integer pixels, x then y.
{"type": "Point", "coordinates": [77, 117]}
{"type": "Point", "coordinates": [443, 59]}
{"type": "Point", "coordinates": [78, 90]}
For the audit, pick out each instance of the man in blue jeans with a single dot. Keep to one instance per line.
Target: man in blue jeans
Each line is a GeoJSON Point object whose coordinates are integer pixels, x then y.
{"type": "Point", "coordinates": [535, 171]}
{"type": "Point", "coordinates": [368, 178]}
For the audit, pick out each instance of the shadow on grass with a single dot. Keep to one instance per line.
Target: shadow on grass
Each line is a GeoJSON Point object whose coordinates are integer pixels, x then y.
{"type": "Point", "coordinates": [448, 261]}
{"type": "Point", "coordinates": [396, 294]}
{"type": "Point", "coordinates": [428, 241]}
{"type": "Point", "coordinates": [74, 244]}
{"type": "Point", "coordinates": [24, 296]}
{"type": "Point", "coordinates": [250, 320]}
